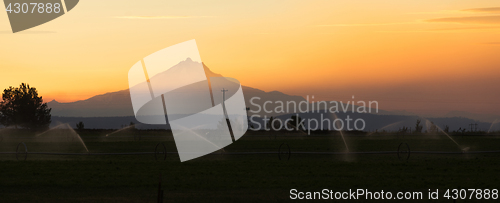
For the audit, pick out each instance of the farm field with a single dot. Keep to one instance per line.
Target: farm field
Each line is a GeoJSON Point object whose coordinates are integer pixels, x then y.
{"type": "Point", "coordinates": [240, 172]}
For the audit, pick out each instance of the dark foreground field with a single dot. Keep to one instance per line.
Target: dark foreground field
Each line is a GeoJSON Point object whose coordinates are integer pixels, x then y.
{"type": "Point", "coordinates": [229, 177]}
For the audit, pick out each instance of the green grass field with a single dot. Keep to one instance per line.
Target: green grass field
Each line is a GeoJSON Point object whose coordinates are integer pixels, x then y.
{"type": "Point", "coordinates": [226, 177]}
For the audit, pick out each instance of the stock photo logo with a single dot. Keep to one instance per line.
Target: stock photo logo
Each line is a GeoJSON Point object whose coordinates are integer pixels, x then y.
{"type": "Point", "coordinates": [205, 114]}
{"type": "Point", "coordinates": [26, 14]}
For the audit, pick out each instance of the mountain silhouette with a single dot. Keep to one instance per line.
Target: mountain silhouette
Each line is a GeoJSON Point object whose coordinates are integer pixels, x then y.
{"type": "Point", "coordinates": [118, 104]}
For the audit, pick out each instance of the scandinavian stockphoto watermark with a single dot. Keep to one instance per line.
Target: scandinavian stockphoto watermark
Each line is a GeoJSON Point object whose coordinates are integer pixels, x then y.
{"type": "Point", "coordinates": [25, 14]}
{"type": "Point", "coordinates": [357, 194]}
{"type": "Point", "coordinates": [170, 87]}
{"type": "Point", "coordinates": [323, 114]}
{"type": "Point", "coordinates": [366, 194]}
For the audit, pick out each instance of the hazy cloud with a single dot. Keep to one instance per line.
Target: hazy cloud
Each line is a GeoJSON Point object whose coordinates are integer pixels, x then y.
{"type": "Point", "coordinates": [437, 12]}
{"type": "Point", "coordinates": [160, 17]}
{"type": "Point", "coordinates": [365, 24]}
{"type": "Point", "coordinates": [468, 20]}
{"type": "Point", "coordinates": [483, 10]}
{"type": "Point", "coordinates": [466, 28]}
{"type": "Point", "coordinates": [446, 29]}
{"type": "Point", "coordinates": [472, 10]}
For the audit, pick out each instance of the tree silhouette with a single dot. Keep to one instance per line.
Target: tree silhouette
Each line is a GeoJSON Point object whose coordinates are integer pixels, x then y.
{"type": "Point", "coordinates": [418, 127]}
{"type": "Point", "coordinates": [22, 107]}
{"type": "Point", "coordinates": [80, 126]}
{"type": "Point", "coordinates": [269, 124]}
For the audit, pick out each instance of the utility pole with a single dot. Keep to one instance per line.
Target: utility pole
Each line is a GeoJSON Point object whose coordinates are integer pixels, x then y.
{"type": "Point", "coordinates": [248, 124]}
{"type": "Point", "coordinates": [223, 102]}
{"type": "Point", "coordinates": [160, 192]}
{"type": "Point", "coordinates": [225, 113]}
{"type": "Point", "coordinates": [473, 127]}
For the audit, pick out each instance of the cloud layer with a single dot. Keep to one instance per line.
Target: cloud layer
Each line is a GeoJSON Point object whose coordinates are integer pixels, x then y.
{"type": "Point", "coordinates": [467, 28]}
{"type": "Point", "coordinates": [366, 24]}
{"type": "Point", "coordinates": [468, 20]}
{"type": "Point", "coordinates": [160, 17]}
{"type": "Point", "coordinates": [483, 10]}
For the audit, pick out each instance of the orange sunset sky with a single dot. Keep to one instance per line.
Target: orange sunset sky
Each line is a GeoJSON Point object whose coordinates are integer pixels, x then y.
{"type": "Point", "coordinates": [423, 56]}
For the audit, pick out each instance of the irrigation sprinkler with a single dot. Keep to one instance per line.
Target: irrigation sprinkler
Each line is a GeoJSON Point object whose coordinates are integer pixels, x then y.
{"type": "Point", "coordinates": [70, 138]}
{"type": "Point", "coordinates": [158, 152]}
{"type": "Point", "coordinates": [25, 151]}
{"type": "Point", "coordinates": [284, 151]}
{"type": "Point", "coordinates": [401, 151]}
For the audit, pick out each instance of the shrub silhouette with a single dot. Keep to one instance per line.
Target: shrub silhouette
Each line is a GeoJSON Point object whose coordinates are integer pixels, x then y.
{"type": "Point", "coordinates": [80, 126]}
